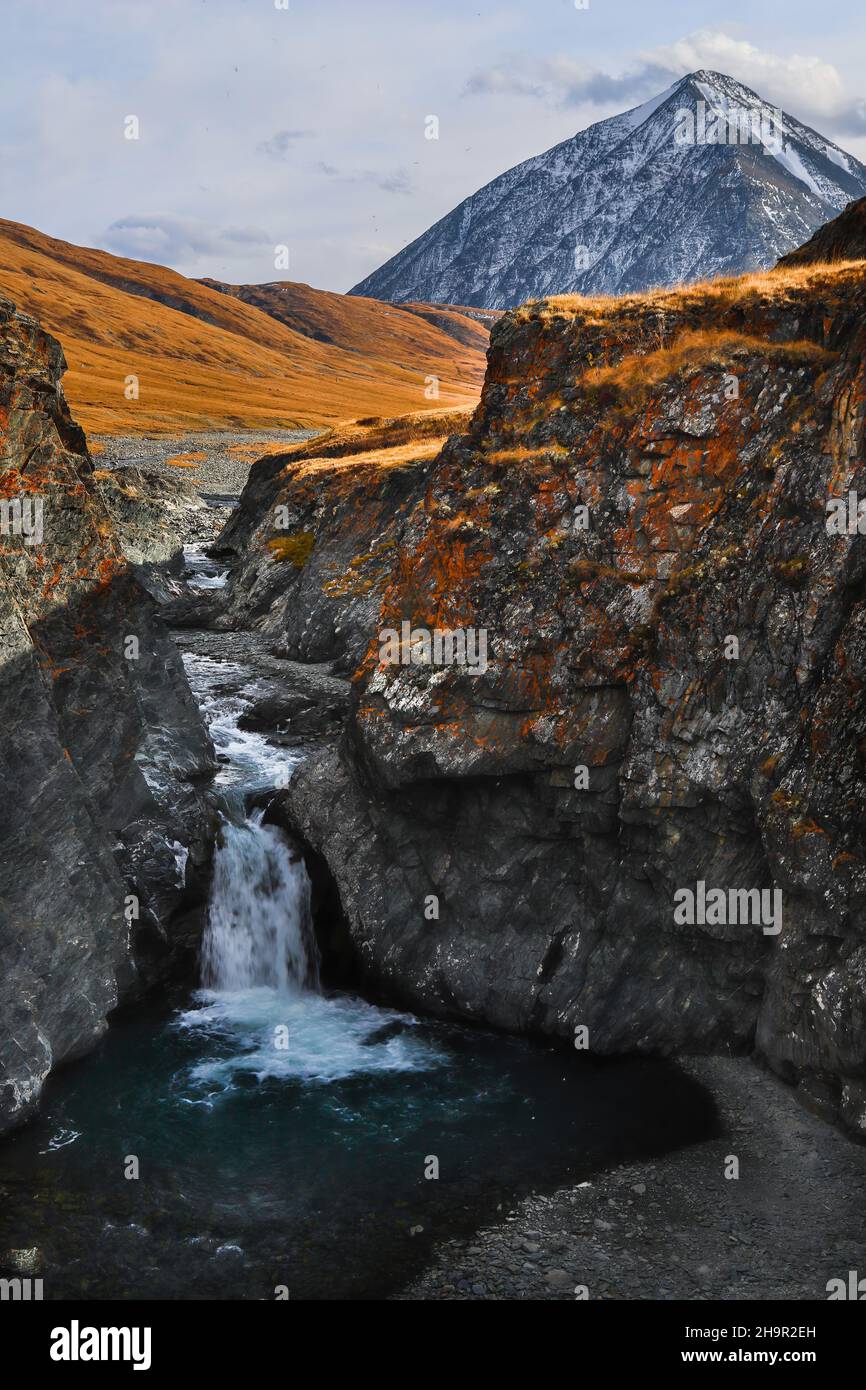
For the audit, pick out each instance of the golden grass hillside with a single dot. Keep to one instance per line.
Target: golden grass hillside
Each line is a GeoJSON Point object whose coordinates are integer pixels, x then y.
{"type": "Point", "coordinates": [335, 459]}
{"type": "Point", "coordinates": [364, 325]}
{"type": "Point", "coordinates": [416, 435]}
{"type": "Point", "coordinates": [746, 291]}
{"type": "Point", "coordinates": [205, 359]}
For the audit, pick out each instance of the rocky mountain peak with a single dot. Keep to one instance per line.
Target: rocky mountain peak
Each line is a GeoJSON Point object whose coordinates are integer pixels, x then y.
{"type": "Point", "coordinates": [706, 178]}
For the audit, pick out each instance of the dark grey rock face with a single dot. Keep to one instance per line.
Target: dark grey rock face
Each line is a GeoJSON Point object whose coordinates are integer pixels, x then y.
{"type": "Point", "coordinates": [843, 239]}
{"type": "Point", "coordinates": [623, 206]}
{"type": "Point", "coordinates": [104, 838]}
{"type": "Point", "coordinates": [478, 878]}
{"type": "Point", "coordinates": [153, 514]}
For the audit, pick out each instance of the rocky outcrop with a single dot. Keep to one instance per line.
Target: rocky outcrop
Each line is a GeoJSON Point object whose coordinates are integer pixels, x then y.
{"type": "Point", "coordinates": [104, 836]}
{"type": "Point", "coordinates": [843, 239]}
{"type": "Point", "coordinates": [636, 519]}
{"type": "Point", "coordinates": [315, 535]}
{"type": "Point", "coordinates": [153, 514]}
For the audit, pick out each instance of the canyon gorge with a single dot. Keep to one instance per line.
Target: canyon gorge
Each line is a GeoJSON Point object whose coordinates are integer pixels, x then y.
{"type": "Point", "coordinates": [207, 758]}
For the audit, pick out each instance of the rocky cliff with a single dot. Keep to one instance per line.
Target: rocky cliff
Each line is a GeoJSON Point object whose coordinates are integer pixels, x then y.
{"type": "Point", "coordinates": [315, 535]}
{"type": "Point", "coordinates": [672, 701]}
{"type": "Point", "coordinates": [104, 837]}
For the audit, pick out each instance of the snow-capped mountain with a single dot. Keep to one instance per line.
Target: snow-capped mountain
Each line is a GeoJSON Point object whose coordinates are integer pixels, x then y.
{"type": "Point", "coordinates": [705, 179]}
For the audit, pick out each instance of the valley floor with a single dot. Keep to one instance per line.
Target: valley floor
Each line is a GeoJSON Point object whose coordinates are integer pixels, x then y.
{"type": "Point", "coordinates": [676, 1228]}
{"type": "Point", "coordinates": [216, 461]}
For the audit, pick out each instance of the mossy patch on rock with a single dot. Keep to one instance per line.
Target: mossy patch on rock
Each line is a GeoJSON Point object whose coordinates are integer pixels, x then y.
{"type": "Point", "coordinates": [295, 549]}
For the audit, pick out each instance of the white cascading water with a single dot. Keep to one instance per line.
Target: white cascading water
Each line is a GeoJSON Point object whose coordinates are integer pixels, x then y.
{"type": "Point", "coordinates": [260, 1012]}
{"type": "Point", "coordinates": [259, 930]}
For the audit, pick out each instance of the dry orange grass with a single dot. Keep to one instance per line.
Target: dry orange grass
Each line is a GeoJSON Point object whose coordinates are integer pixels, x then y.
{"type": "Point", "coordinates": [690, 350]}
{"type": "Point", "coordinates": [256, 450]}
{"type": "Point", "coordinates": [521, 453]}
{"type": "Point", "coordinates": [372, 443]}
{"type": "Point", "coordinates": [205, 360]}
{"type": "Point", "coordinates": [186, 460]}
{"type": "Point", "coordinates": [373, 434]}
{"type": "Point", "coordinates": [370, 458]}
{"type": "Point", "coordinates": [767, 284]}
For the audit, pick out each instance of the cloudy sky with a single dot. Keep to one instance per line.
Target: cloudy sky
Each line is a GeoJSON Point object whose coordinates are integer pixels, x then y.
{"type": "Point", "coordinates": [263, 125]}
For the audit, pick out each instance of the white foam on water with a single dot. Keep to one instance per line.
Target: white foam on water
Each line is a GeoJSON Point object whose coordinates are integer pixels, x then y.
{"type": "Point", "coordinates": [252, 762]}
{"type": "Point", "coordinates": [61, 1140]}
{"type": "Point", "coordinates": [261, 1013]}
{"type": "Point", "coordinates": [327, 1039]}
{"type": "Point", "coordinates": [201, 572]}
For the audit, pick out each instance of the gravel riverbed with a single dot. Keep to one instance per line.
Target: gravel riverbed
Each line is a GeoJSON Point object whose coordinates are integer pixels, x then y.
{"type": "Point", "coordinates": [676, 1227]}
{"type": "Point", "coordinates": [220, 461]}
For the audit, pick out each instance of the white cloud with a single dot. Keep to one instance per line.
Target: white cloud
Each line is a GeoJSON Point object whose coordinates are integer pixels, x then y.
{"type": "Point", "coordinates": [797, 83]}
{"type": "Point", "coordinates": [567, 81]}
{"type": "Point", "coordinates": [181, 240]}
{"type": "Point", "coordinates": [808, 87]}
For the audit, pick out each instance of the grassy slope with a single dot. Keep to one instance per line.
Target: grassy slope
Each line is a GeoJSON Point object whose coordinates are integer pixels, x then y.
{"type": "Point", "coordinates": [362, 325]}
{"type": "Point", "coordinates": [206, 359]}
{"type": "Point", "coordinates": [746, 290]}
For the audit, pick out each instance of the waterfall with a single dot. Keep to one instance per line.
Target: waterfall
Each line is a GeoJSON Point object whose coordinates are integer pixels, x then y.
{"type": "Point", "coordinates": [260, 968]}
{"type": "Point", "coordinates": [259, 930]}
